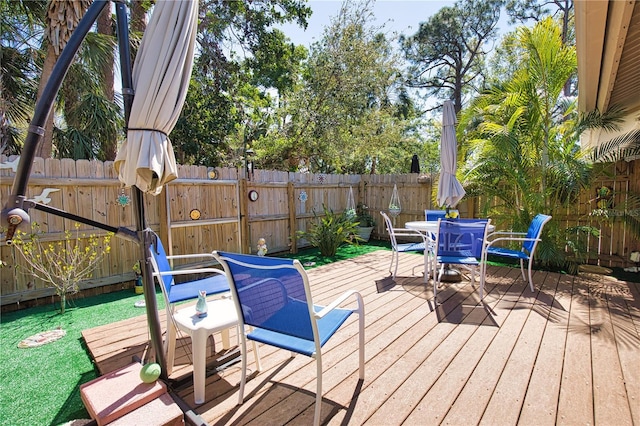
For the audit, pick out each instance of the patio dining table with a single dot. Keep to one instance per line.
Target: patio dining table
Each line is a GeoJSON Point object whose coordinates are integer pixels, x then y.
{"type": "Point", "coordinates": [430, 229]}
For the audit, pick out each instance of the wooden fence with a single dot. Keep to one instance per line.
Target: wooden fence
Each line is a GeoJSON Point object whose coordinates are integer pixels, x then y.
{"type": "Point", "coordinates": [616, 241]}
{"type": "Point", "coordinates": [207, 209]}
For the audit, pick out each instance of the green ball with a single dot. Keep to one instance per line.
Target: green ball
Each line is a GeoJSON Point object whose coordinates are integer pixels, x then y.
{"type": "Point", "coordinates": [150, 372]}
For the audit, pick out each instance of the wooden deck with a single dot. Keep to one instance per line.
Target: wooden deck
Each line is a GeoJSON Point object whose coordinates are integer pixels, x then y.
{"type": "Point", "coordinates": [567, 354]}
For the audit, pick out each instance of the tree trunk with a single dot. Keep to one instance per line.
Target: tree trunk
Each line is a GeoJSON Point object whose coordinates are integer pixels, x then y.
{"type": "Point", "coordinates": [138, 16]}
{"type": "Point", "coordinates": [62, 18]}
{"type": "Point", "coordinates": [106, 27]}
{"type": "Point", "coordinates": [63, 302]}
{"type": "Point", "coordinates": [44, 148]}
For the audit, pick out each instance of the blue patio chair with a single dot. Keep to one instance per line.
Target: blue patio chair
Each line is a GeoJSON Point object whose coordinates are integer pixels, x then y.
{"type": "Point", "coordinates": [460, 242]}
{"type": "Point", "coordinates": [275, 307]}
{"type": "Point", "coordinates": [529, 240]}
{"type": "Point", "coordinates": [213, 282]}
{"type": "Point", "coordinates": [433, 215]}
{"type": "Point", "coordinates": [396, 247]}
{"type": "Point", "coordinates": [178, 292]}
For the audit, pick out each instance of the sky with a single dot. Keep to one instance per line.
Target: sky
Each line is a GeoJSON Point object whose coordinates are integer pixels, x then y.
{"type": "Point", "coordinates": [400, 16]}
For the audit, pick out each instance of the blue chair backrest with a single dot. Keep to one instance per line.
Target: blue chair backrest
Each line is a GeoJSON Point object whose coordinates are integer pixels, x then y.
{"type": "Point", "coordinates": [433, 215]}
{"type": "Point", "coordinates": [271, 292]}
{"type": "Point", "coordinates": [463, 237]}
{"type": "Point", "coordinates": [160, 256]}
{"type": "Point", "coordinates": [535, 229]}
{"type": "Point", "coordinates": [469, 220]}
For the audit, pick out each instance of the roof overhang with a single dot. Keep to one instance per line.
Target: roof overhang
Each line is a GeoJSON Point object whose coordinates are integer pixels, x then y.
{"type": "Point", "coordinates": [608, 50]}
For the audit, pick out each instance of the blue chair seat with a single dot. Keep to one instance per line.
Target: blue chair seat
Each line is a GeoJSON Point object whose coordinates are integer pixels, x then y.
{"type": "Point", "coordinates": [460, 242]}
{"type": "Point", "coordinates": [274, 305]}
{"type": "Point", "coordinates": [529, 241]}
{"type": "Point", "coordinates": [189, 290]}
{"type": "Point", "coordinates": [463, 258]}
{"type": "Point", "coordinates": [411, 247]}
{"type": "Point", "coordinates": [295, 315]}
{"type": "Point", "coordinates": [174, 292]}
{"type": "Point", "coordinates": [505, 252]}
{"type": "Point", "coordinates": [214, 281]}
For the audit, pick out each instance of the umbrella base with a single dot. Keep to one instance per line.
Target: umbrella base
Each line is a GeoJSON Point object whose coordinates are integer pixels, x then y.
{"type": "Point", "coordinates": [450, 275]}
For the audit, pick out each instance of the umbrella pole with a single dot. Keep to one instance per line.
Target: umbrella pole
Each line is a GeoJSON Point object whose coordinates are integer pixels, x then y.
{"type": "Point", "coordinates": [151, 304]}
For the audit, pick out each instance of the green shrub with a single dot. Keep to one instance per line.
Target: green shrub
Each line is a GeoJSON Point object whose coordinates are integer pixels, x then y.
{"type": "Point", "coordinates": [330, 231]}
{"type": "Point", "coordinates": [62, 264]}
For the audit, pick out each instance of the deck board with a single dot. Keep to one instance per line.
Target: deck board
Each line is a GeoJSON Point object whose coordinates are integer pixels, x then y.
{"type": "Point", "coordinates": [565, 354]}
{"type": "Point", "coordinates": [472, 400]}
{"type": "Point", "coordinates": [610, 397]}
{"type": "Point", "coordinates": [540, 403]}
{"type": "Point", "coordinates": [575, 405]}
{"type": "Point", "coordinates": [508, 395]}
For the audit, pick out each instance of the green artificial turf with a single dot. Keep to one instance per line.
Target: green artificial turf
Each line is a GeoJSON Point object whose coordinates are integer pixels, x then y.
{"type": "Point", "coordinates": [40, 386]}
{"type": "Point", "coordinates": [311, 257]}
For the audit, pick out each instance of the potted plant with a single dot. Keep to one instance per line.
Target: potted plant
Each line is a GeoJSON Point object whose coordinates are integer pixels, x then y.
{"type": "Point", "coordinates": [138, 287]}
{"type": "Point", "coordinates": [365, 222]}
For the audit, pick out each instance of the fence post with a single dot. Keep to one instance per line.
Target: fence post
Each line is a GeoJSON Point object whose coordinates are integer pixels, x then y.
{"type": "Point", "coordinates": [293, 240]}
{"type": "Point", "coordinates": [165, 219]}
{"type": "Point", "coordinates": [245, 244]}
{"type": "Point", "coordinates": [362, 197]}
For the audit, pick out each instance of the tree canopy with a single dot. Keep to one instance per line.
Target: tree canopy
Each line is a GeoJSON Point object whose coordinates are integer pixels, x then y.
{"type": "Point", "coordinates": [349, 113]}
{"type": "Point", "coordinates": [447, 53]}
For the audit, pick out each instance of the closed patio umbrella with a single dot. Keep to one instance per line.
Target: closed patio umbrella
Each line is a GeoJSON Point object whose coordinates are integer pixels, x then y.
{"type": "Point", "coordinates": [450, 191]}
{"type": "Point", "coordinates": [161, 74]}
{"type": "Point", "coordinates": [159, 83]}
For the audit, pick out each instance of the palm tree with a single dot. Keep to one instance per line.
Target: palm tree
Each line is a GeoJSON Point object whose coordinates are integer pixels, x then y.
{"type": "Point", "coordinates": [92, 122]}
{"type": "Point", "coordinates": [106, 27]}
{"type": "Point", "coordinates": [20, 23]}
{"type": "Point", "coordinates": [61, 19]}
{"type": "Point", "coordinates": [34, 35]}
{"type": "Point", "coordinates": [523, 152]}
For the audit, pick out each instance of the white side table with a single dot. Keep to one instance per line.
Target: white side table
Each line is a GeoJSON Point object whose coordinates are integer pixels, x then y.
{"type": "Point", "coordinates": [221, 316]}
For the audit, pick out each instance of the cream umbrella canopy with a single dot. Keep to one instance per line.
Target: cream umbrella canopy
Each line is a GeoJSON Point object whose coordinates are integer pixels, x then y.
{"type": "Point", "coordinates": [450, 191]}
{"type": "Point", "coordinates": [161, 75]}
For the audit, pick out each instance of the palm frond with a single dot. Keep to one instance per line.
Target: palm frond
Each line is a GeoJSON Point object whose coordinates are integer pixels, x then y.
{"type": "Point", "coordinates": [619, 148]}
{"type": "Point", "coordinates": [609, 121]}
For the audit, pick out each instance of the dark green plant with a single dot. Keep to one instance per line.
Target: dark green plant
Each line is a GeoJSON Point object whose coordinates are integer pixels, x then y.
{"type": "Point", "coordinates": [363, 217]}
{"type": "Point", "coordinates": [330, 231]}
{"type": "Point", "coordinates": [577, 242]}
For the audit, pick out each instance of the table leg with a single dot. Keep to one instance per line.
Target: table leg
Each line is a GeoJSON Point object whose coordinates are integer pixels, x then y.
{"type": "Point", "coordinates": [225, 339]}
{"type": "Point", "coordinates": [426, 264]}
{"type": "Point", "coordinates": [170, 343]}
{"type": "Point", "coordinates": [199, 353]}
